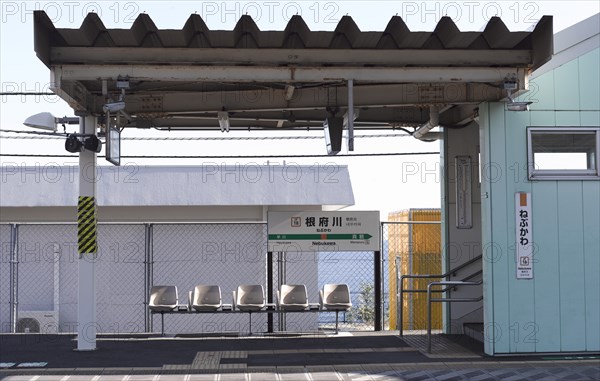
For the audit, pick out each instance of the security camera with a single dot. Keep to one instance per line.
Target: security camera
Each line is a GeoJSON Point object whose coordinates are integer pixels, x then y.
{"type": "Point", "coordinates": [114, 106]}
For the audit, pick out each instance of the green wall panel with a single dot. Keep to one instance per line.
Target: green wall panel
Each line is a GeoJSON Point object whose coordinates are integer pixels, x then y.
{"type": "Point", "coordinates": [541, 93]}
{"type": "Point", "coordinates": [590, 118]}
{"type": "Point", "coordinates": [571, 266]}
{"type": "Point", "coordinates": [521, 292]}
{"type": "Point", "coordinates": [589, 80]}
{"type": "Point", "coordinates": [566, 86]}
{"type": "Point", "coordinates": [591, 248]}
{"type": "Point", "coordinates": [568, 118]}
{"type": "Point", "coordinates": [543, 118]}
{"type": "Point", "coordinates": [546, 265]}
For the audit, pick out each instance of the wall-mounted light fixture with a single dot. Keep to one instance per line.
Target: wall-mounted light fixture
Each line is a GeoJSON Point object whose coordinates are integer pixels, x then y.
{"type": "Point", "coordinates": [513, 105]}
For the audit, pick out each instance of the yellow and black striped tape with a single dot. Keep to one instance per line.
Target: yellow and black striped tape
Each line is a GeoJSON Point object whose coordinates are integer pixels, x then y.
{"type": "Point", "coordinates": [86, 225]}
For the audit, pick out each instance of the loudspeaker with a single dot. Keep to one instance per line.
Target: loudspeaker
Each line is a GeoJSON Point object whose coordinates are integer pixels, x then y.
{"type": "Point", "coordinates": [333, 128]}
{"type": "Point", "coordinates": [93, 144]}
{"type": "Point", "coordinates": [73, 145]}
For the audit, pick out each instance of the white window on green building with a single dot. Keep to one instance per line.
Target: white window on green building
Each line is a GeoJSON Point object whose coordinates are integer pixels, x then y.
{"type": "Point", "coordinates": [563, 153]}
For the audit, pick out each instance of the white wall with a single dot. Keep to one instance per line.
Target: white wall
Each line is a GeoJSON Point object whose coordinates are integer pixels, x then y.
{"type": "Point", "coordinates": [461, 245]}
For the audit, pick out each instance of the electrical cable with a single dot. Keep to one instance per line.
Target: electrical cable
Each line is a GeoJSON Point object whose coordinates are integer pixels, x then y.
{"type": "Point", "coordinates": [58, 135]}
{"type": "Point", "coordinates": [27, 93]}
{"type": "Point", "coordinates": [235, 157]}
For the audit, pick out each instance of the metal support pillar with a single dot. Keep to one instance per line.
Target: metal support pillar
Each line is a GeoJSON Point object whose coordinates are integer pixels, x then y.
{"type": "Point", "coordinates": [162, 323]}
{"type": "Point", "coordinates": [14, 276]}
{"type": "Point", "coordinates": [148, 255]}
{"type": "Point", "coordinates": [87, 245]}
{"type": "Point", "coordinates": [269, 289]}
{"type": "Point", "coordinates": [250, 322]}
{"type": "Point", "coordinates": [399, 297]}
{"type": "Point", "coordinates": [350, 115]}
{"type": "Point", "coordinates": [281, 279]}
{"type": "Point", "coordinates": [378, 293]}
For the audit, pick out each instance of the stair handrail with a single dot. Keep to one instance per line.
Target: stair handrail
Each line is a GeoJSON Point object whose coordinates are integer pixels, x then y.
{"type": "Point", "coordinates": [452, 283]}
{"type": "Point", "coordinates": [400, 285]}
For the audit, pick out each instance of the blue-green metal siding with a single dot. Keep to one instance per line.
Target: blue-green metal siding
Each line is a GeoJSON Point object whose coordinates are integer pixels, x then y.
{"type": "Point", "coordinates": [558, 310]}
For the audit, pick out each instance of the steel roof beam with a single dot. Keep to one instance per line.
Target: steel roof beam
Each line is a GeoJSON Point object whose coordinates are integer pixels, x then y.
{"type": "Point", "coordinates": [178, 73]}
{"type": "Point", "coordinates": [299, 57]}
{"type": "Point", "coordinates": [311, 98]}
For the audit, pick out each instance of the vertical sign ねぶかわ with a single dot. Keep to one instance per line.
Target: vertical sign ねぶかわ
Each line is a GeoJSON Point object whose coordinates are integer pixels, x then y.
{"type": "Point", "coordinates": [524, 241]}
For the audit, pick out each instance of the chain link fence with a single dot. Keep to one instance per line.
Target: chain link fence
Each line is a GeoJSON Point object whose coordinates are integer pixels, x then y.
{"type": "Point", "coordinates": [357, 270]}
{"type": "Point", "coordinates": [121, 278]}
{"type": "Point", "coordinates": [5, 278]}
{"type": "Point", "coordinates": [227, 255]}
{"type": "Point", "coordinates": [46, 282]}
{"type": "Point", "coordinates": [317, 269]}
{"type": "Point", "coordinates": [133, 257]}
{"type": "Point", "coordinates": [47, 277]}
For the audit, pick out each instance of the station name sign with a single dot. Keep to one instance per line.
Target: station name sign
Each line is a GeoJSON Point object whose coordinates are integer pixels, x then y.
{"type": "Point", "coordinates": [323, 231]}
{"type": "Point", "coordinates": [524, 240]}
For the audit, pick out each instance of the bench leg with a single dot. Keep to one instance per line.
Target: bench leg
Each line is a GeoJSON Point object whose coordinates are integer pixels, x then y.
{"type": "Point", "coordinates": [250, 325]}
{"type": "Point", "coordinates": [337, 313]}
{"type": "Point", "coordinates": [162, 323]}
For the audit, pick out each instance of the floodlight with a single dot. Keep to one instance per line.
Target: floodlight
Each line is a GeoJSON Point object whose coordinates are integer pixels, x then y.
{"type": "Point", "coordinates": [43, 120]}
{"type": "Point", "coordinates": [47, 121]}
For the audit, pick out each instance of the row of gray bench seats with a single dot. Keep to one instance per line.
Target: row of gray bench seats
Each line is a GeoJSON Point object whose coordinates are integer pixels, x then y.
{"type": "Point", "coordinates": [250, 298]}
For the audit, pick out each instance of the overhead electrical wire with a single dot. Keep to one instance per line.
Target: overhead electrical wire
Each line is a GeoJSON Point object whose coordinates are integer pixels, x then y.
{"type": "Point", "coordinates": [234, 157]}
{"type": "Point", "coordinates": [27, 93]}
{"type": "Point", "coordinates": [60, 135]}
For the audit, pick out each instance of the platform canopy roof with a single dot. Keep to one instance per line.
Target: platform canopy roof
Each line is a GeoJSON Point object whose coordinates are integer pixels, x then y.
{"type": "Point", "coordinates": [234, 185]}
{"type": "Point", "coordinates": [291, 78]}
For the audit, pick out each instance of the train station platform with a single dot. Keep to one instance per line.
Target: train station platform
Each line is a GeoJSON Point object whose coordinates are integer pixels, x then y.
{"type": "Point", "coordinates": [312, 357]}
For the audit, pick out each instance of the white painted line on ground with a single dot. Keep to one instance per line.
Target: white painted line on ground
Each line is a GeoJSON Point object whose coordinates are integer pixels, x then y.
{"type": "Point", "coordinates": [360, 377]}
{"type": "Point", "coordinates": [39, 364]}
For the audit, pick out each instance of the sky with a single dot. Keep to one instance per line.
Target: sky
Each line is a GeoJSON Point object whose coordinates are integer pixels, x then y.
{"type": "Point", "coordinates": [384, 183]}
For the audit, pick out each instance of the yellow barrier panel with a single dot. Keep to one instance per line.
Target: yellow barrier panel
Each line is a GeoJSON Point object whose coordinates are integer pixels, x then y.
{"type": "Point", "coordinates": [420, 250]}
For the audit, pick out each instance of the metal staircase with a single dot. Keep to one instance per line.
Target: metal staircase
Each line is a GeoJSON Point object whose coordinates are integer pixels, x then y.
{"type": "Point", "coordinates": [441, 286]}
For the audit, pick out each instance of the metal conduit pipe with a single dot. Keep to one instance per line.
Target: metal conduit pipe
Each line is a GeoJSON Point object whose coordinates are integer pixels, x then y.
{"type": "Point", "coordinates": [434, 121]}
